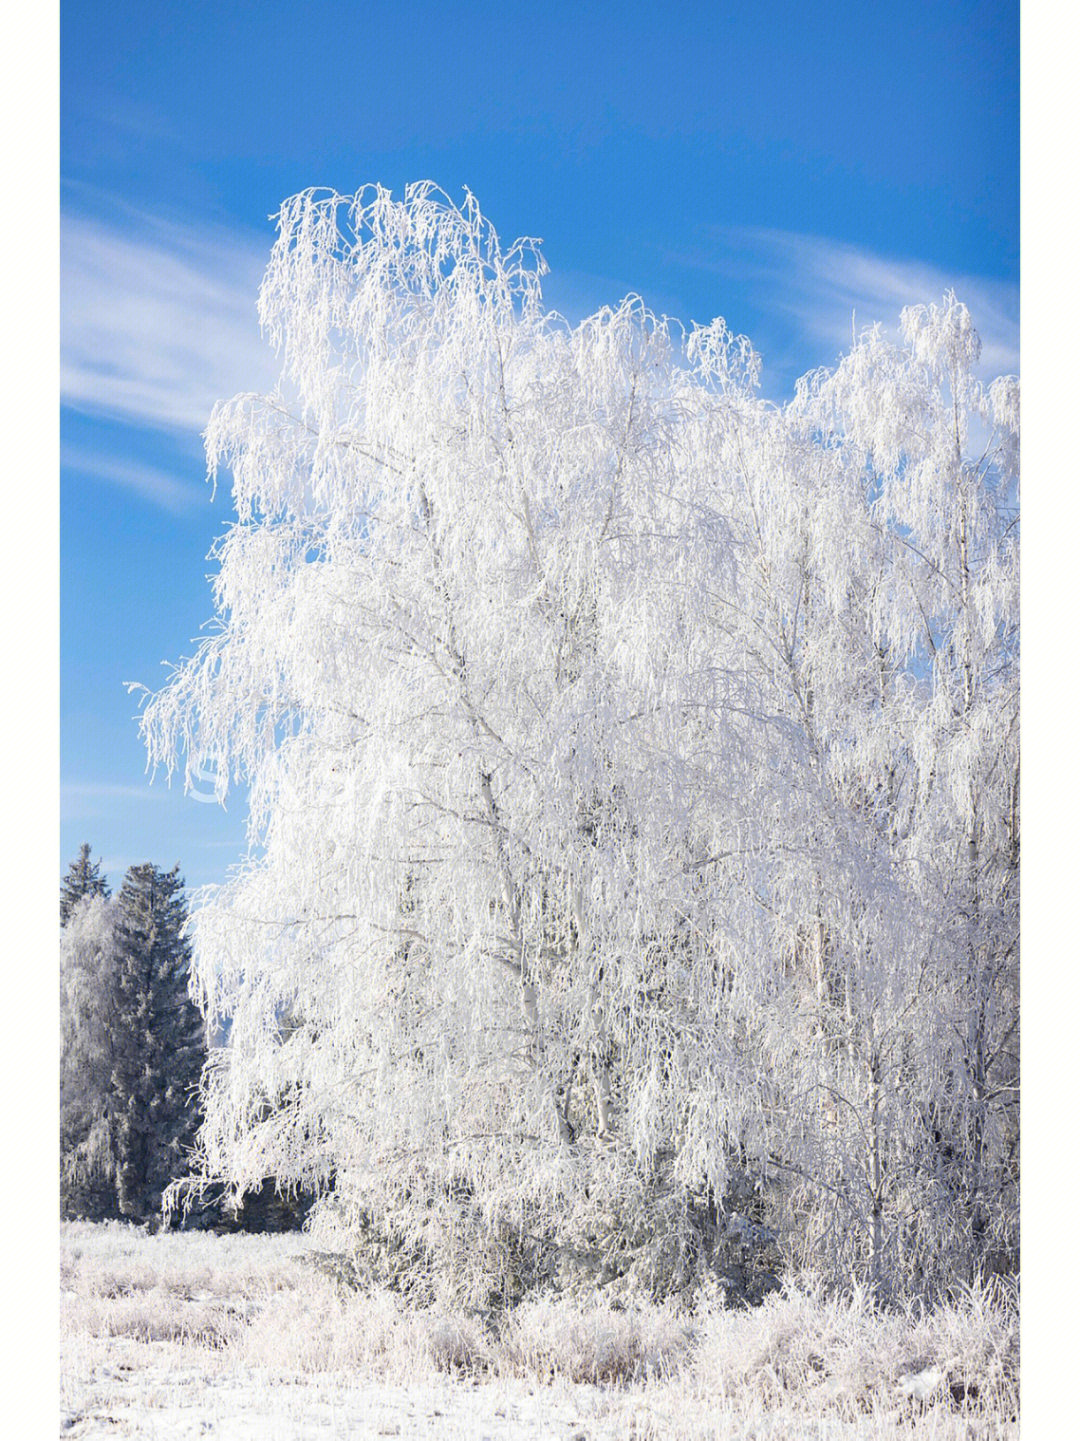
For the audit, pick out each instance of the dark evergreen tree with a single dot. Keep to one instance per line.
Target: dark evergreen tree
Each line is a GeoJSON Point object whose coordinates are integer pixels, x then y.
{"type": "Point", "coordinates": [161, 1046]}
{"type": "Point", "coordinates": [84, 878]}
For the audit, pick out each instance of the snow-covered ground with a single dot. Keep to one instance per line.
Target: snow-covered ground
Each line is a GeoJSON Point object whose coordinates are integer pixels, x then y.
{"type": "Point", "coordinates": [189, 1335]}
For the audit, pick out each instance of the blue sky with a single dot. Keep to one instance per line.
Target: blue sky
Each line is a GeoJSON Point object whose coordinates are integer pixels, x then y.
{"type": "Point", "coordinates": [781, 165]}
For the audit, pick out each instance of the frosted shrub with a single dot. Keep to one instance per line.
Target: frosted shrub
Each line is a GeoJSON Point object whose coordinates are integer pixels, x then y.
{"type": "Point", "coordinates": [976, 1336]}
{"type": "Point", "coordinates": [319, 1328]}
{"type": "Point", "coordinates": [820, 1353]}
{"type": "Point", "coordinates": [633, 780]}
{"type": "Point", "coordinates": [594, 1342]}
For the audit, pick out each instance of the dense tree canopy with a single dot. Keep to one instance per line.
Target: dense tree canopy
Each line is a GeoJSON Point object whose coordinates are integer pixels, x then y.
{"type": "Point", "coordinates": [633, 776]}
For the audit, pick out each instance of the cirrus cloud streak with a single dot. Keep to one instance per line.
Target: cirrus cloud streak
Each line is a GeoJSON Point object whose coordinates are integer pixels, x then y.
{"type": "Point", "coordinates": [814, 292]}
{"type": "Point", "coordinates": [158, 320]}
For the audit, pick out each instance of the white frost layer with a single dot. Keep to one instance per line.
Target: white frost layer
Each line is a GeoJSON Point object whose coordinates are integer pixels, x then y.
{"type": "Point", "coordinates": [187, 1335]}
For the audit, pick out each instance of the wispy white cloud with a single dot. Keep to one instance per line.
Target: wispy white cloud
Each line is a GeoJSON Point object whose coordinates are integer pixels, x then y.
{"type": "Point", "coordinates": [821, 289]}
{"type": "Point", "coordinates": [158, 319]}
{"type": "Point", "coordinates": [177, 496]}
{"type": "Point", "coordinates": [79, 800]}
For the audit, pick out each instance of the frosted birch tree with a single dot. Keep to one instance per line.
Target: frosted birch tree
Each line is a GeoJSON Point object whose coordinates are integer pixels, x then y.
{"type": "Point", "coordinates": [89, 1013]}
{"type": "Point", "coordinates": [616, 743]}
{"type": "Point", "coordinates": [891, 603]}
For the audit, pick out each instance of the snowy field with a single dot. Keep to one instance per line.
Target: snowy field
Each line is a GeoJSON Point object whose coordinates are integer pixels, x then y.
{"type": "Point", "coordinates": [193, 1335]}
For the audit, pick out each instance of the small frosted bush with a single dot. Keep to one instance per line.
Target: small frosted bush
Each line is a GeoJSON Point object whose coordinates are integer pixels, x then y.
{"type": "Point", "coordinates": [318, 1327]}
{"type": "Point", "coordinates": [819, 1352]}
{"type": "Point", "coordinates": [592, 1342]}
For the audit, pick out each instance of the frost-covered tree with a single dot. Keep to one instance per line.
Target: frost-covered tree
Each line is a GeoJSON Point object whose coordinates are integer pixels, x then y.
{"type": "Point", "coordinates": [89, 1021]}
{"type": "Point", "coordinates": [84, 878]}
{"type": "Point", "coordinates": [632, 776]}
{"type": "Point", "coordinates": [888, 547]}
{"type": "Point", "coordinates": [159, 1047]}
{"type": "Point", "coordinates": [131, 1044]}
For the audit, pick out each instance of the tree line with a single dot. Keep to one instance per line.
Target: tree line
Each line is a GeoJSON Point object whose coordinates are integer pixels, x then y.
{"type": "Point", "coordinates": [132, 1041]}
{"type": "Point", "coordinates": [133, 1045]}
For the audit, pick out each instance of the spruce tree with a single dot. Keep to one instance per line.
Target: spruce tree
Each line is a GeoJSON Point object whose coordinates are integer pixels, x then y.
{"type": "Point", "coordinates": [84, 878]}
{"type": "Point", "coordinates": [161, 1047]}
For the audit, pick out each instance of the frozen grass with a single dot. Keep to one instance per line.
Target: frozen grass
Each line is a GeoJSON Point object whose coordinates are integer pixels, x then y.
{"type": "Point", "coordinates": [235, 1336]}
{"type": "Point", "coordinates": [592, 1342]}
{"type": "Point", "coordinates": [815, 1355]}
